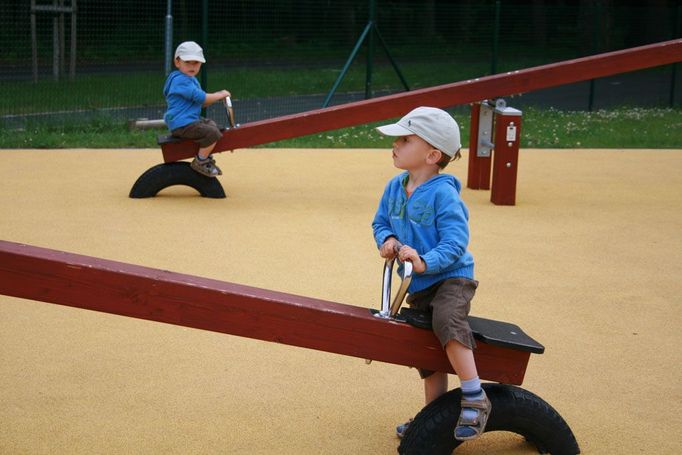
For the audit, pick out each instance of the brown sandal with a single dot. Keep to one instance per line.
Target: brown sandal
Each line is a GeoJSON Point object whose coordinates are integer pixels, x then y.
{"type": "Point", "coordinates": [477, 424]}
{"type": "Point", "coordinates": [206, 167]}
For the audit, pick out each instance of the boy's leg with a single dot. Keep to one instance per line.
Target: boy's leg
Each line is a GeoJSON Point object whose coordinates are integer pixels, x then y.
{"type": "Point", "coordinates": [451, 307]}
{"type": "Point", "coordinates": [207, 133]}
{"type": "Point", "coordinates": [204, 132]}
{"type": "Point", "coordinates": [462, 360]}
{"type": "Point", "coordinates": [475, 404]}
{"type": "Point", "coordinates": [435, 385]}
{"type": "Point", "coordinates": [204, 152]}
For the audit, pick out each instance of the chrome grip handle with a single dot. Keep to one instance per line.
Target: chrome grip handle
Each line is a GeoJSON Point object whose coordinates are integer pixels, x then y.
{"type": "Point", "coordinates": [389, 310]}
{"type": "Point", "coordinates": [402, 290]}
{"type": "Point", "coordinates": [386, 288]}
{"type": "Point", "coordinates": [229, 111]}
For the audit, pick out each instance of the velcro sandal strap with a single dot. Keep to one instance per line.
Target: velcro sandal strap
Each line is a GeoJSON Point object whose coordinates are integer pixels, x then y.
{"type": "Point", "coordinates": [476, 404]}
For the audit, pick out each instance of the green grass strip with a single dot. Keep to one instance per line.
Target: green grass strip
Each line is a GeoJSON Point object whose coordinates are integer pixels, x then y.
{"type": "Point", "coordinates": [541, 128]}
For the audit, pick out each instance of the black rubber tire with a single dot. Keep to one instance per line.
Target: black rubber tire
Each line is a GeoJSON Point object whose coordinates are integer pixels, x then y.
{"type": "Point", "coordinates": [164, 175]}
{"type": "Point", "coordinates": [514, 409]}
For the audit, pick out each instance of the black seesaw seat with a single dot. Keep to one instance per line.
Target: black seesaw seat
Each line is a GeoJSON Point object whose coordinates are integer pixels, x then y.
{"type": "Point", "coordinates": [496, 333]}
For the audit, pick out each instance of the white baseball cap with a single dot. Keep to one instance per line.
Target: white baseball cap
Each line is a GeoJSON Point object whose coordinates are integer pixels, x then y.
{"type": "Point", "coordinates": [189, 51]}
{"type": "Point", "coordinates": [434, 125]}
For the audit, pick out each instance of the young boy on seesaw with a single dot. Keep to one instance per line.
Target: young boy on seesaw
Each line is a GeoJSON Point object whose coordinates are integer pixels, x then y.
{"type": "Point", "coordinates": [185, 98]}
{"type": "Point", "coordinates": [422, 210]}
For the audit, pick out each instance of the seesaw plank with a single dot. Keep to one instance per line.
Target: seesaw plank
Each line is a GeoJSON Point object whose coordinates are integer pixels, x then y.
{"type": "Point", "coordinates": [447, 95]}
{"type": "Point", "coordinates": [52, 276]}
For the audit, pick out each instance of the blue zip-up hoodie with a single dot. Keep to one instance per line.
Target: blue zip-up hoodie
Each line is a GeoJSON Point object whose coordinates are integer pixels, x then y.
{"type": "Point", "coordinates": [184, 97]}
{"type": "Point", "coordinates": [433, 221]}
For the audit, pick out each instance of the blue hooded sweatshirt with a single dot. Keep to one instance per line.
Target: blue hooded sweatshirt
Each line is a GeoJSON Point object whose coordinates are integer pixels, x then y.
{"type": "Point", "coordinates": [184, 97]}
{"type": "Point", "coordinates": [433, 221]}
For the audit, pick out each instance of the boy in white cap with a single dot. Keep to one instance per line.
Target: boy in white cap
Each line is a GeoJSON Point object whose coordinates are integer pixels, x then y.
{"type": "Point", "coordinates": [421, 218]}
{"type": "Point", "coordinates": [185, 98]}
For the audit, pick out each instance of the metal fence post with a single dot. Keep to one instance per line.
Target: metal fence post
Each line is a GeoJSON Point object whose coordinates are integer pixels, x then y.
{"type": "Point", "coordinates": [72, 54]}
{"type": "Point", "coordinates": [346, 67]}
{"type": "Point", "coordinates": [673, 72]}
{"type": "Point", "coordinates": [370, 49]}
{"type": "Point", "coordinates": [496, 37]}
{"type": "Point", "coordinates": [168, 37]}
{"type": "Point", "coordinates": [34, 42]}
{"type": "Point", "coordinates": [62, 50]}
{"type": "Point", "coordinates": [204, 44]}
{"type": "Point", "coordinates": [55, 43]}
{"type": "Point", "coordinates": [595, 49]}
{"type": "Point", "coordinates": [368, 33]}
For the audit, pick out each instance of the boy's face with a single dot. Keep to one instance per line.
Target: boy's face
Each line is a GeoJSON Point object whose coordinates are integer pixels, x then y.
{"type": "Point", "coordinates": [412, 153]}
{"type": "Point", "coordinates": [190, 68]}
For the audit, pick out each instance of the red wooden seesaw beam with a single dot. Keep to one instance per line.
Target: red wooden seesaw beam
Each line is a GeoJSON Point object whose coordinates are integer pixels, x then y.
{"type": "Point", "coordinates": [463, 92]}
{"type": "Point", "coordinates": [52, 276]}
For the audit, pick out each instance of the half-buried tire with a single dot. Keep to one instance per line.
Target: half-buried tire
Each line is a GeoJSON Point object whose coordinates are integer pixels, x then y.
{"type": "Point", "coordinates": [164, 175]}
{"type": "Point", "coordinates": [514, 409]}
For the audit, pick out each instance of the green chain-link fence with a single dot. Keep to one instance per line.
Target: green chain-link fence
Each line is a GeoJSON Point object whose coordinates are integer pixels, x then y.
{"type": "Point", "coordinates": [283, 56]}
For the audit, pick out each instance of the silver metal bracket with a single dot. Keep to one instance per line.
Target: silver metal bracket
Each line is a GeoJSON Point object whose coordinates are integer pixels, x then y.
{"type": "Point", "coordinates": [485, 130]}
{"type": "Point", "coordinates": [229, 113]}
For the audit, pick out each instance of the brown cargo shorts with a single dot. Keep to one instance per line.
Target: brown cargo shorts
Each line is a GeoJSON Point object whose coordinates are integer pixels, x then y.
{"type": "Point", "coordinates": [204, 132]}
{"type": "Point", "coordinates": [450, 303]}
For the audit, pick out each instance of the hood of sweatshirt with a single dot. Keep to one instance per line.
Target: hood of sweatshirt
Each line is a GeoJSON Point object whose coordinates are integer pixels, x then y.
{"type": "Point", "coordinates": [434, 181]}
{"type": "Point", "coordinates": [169, 80]}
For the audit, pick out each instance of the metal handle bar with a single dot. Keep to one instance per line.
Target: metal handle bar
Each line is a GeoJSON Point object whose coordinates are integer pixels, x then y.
{"type": "Point", "coordinates": [229, 111]}
{"type": "Point", "coordinates": [390, 310]}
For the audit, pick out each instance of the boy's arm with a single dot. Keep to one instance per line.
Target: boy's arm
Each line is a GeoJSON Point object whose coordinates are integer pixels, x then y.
{"type": "Point", "coordinates": [453, 230]}
{"type": "Point", "coordinates": [184, 87]}
{"type": "Point", "coordinates": [216, 96]}
{"type": "Point", "coordinates": [381, 226]}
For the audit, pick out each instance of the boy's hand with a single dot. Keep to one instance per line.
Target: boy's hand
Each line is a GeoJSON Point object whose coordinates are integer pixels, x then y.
{"type": "Point", "coordinates": [407, 253]}
{"type": "Point", "coordinates": [390, 248]}
{"type": "Point", "coordinates": [215, 96]}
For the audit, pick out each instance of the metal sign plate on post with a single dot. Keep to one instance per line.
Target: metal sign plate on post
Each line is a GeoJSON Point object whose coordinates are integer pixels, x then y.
{"type": "Point", "coordinates": [485, 125]}
{"type": "Point", "coordinates": [485, 131]}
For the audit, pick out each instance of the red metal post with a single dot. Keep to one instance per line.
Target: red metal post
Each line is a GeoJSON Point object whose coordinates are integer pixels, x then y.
{"type": "Point", "coordinates": [478, 177]}
{"type": "Point", "coordinates": [505, 163]}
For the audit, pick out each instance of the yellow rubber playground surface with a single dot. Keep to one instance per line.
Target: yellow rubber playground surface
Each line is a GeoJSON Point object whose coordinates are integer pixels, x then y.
{"type": "Point", "coordinates": [589, 262]}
